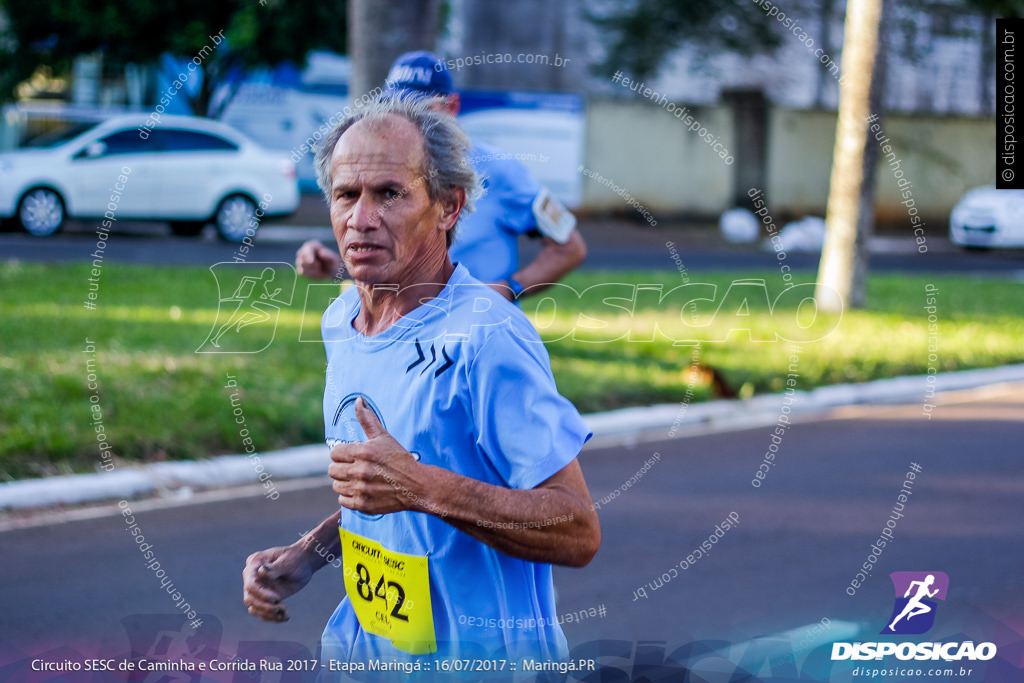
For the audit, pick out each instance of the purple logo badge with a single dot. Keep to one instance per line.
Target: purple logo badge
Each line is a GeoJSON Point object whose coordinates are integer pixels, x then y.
{"type": "Point", "coordinates": [916, 592]}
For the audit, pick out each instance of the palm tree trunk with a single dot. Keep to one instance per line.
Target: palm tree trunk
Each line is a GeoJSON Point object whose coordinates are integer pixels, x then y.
{"type": "Point", "coordinates": [842, 272]}
{"type": "Point", "coordinates": [380, 31]}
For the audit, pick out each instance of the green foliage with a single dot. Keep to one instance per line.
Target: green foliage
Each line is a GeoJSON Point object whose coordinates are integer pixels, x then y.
{"type": "Point", "coordinates": [642, 35]}
{"type": "Point", "coordinates": [54, 32]}
{"type": "Point", "coordinates": [1009, 9]}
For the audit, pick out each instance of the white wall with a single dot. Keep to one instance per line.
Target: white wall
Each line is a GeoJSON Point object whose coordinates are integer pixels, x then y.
{"type": "Point", "coordinates": [649, 152]}
{"type": "Point", "coordinates": [646, 150]}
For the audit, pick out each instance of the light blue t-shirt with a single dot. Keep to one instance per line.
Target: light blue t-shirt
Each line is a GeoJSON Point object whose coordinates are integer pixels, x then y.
{"type": "Point", "coordinates": [464, 382]}
{"type": "Point", "coordinates": [487, 240]}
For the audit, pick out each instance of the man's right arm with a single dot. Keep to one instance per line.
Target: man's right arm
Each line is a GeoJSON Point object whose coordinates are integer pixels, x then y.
{"type": "Point", "coordinates": [272, 575]}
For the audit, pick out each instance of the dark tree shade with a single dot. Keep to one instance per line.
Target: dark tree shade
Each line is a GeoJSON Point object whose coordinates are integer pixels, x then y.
{"type": "Point", "coordinates": [640, 37]}
{"type": "Point", "coordinates": [54, 32]}
{"type": "Point", "coordinates": [1009, 9]}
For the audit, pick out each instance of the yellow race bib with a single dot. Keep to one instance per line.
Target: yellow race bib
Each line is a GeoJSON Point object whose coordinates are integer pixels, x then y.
{"type": "Point", "coordinates": [390, 593]}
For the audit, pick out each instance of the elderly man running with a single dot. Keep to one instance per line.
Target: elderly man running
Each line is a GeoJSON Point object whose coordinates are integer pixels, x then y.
{"type": "Point", "coordinates": [452, 453]}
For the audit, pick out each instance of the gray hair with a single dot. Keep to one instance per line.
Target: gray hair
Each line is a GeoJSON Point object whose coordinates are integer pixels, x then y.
{"type": "Point", "coordinates": [445, 148]}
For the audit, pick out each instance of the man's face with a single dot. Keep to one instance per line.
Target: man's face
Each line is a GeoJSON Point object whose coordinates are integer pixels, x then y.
{"type": "Point", "coordinates": [387, 229]}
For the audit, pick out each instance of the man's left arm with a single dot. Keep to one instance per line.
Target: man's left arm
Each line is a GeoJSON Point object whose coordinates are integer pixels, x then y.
{"type": "Point", "coordinates": [554, 262]}
{"type": "Point", "coordinates": [554, 522]}
{"type": "Point", "coordinates": [531, 209]}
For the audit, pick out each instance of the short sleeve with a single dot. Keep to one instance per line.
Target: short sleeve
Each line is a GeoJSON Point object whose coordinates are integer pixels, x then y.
{"type": "Point", "coordinates": [516, 189]}
{"type": "Point", "coordinates": [525, 428]}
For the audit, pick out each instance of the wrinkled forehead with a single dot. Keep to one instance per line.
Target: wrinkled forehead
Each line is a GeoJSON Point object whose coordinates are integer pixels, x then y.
{"type": "Point", "coordinates": [391, 146]}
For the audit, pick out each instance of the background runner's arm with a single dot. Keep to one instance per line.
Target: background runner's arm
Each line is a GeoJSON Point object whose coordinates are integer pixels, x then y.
{"type": "Point", "coordinates": [554, 262]}
{"type": "Point", "coordinates": [314, 260]}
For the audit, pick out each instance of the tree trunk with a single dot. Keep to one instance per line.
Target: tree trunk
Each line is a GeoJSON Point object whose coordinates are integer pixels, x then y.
{"type": "Point", "coordinates": [987, 64]}
{"type": "Point", "coordinates": [842, 272]}
{"type": "Point", "coordinates": [380, 31]}
{"type": "Point", "coordinates": [530, 28]}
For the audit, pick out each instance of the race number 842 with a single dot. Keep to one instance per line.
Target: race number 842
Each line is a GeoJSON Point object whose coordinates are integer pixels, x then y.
{"type": "Point", "coordinates": [389, 592]}
{"type": "Point", "coordinates": [364, 582]}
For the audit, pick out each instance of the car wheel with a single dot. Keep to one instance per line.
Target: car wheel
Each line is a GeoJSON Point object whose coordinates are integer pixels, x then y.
{"type": "Point", "coordinates": [41, 212]}
{"type": "Point", "coordinates": [187, 228]}
{"type": "Point", "coordinates": [235, 217]}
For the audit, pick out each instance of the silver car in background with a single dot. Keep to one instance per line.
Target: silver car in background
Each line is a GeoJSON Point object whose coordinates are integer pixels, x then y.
{"type": "Point", "coordinates": [188, 171]}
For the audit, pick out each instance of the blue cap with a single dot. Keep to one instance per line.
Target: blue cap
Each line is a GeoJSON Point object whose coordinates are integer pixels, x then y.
{"type": "Point", "coordinates": [419, 73]}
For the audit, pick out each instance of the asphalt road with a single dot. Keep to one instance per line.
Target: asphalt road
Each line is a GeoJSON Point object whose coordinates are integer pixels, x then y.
{"type": "Point", "coordinates": [802, 536]}
{"type": "Point", "coordinates": [615, 245]}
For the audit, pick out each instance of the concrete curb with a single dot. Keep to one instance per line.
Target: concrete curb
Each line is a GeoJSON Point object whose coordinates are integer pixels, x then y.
{"type": "Point", "coordinates": [625, 426]}
{"type": "Point", "coordinates": [635, 424]}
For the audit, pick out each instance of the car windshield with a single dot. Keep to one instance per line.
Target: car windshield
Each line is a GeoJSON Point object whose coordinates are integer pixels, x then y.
{"type": "Point", "coordinates": [52, 138]}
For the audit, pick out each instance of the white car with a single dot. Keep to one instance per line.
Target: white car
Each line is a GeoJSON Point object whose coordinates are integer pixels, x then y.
{"type": "Point", "coordinates": [185, 170]}
{"type": "Point", "coordinates": [986, 217]}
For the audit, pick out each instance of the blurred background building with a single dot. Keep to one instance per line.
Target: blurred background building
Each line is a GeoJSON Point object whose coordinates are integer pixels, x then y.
{"type": "Point", "coordinates": [772, 106]}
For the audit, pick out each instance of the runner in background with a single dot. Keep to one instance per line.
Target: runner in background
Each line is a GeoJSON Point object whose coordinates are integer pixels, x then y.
{"type": "Point", "coordinates": [513, 204]}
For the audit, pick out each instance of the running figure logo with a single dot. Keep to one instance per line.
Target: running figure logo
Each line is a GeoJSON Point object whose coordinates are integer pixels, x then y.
{"type": "Point", "coordinates": [255, 303]}
{"type": "Point", "coordinates": [914, 612]}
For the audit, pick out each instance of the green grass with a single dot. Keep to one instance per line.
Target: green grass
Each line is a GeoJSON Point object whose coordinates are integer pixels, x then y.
{"type": "Point", "coordinates": [979, 325]}
{"type": "Point", "coordinates": [161, 400]}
